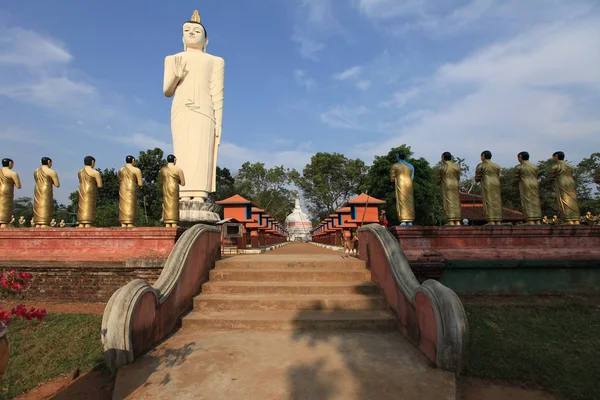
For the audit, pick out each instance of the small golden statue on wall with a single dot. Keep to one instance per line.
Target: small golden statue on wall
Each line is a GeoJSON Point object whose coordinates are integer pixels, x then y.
{"type": "Point", "coordinates": [9, 179]}
{"type": "Point", "coordinates": [21, 221]}
{"type": "Point", "coordinates": [526, 175]}
{"type": "Point", "coordinates": [448, 175]}
{"type": "Point", "coordinates": [566, 189]}
{"type": "Point", "coordinates": [89, 182]}
{"type": "Point", "coordinates": [130, 178]}
{"type": "Point", "coordinates": [403, 173]}
{"type": "Point", "coordinates": [53, 223]}
{"type": "Point", "coordinates": [171, 177]}
{"type": "Point", "coordinates": [43, 198]}
{"type": "Point", "coordinates": [488, 173]}
{"type": "Point", "coordinates": [62, 223]}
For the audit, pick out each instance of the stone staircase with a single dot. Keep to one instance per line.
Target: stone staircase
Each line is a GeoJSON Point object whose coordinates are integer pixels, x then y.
{"type": "Point", "coordinates": [279, 292]}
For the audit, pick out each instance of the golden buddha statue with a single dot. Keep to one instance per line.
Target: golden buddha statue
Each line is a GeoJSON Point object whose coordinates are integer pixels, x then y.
{"type": "Point", "coordinates": [403, 173]}
{"type": "Point", "coordinates": [89, 182]}
{"type": "Point", "coordinates": [130, 178]}
{"type": "Point", "coordinates": [555, 220]}
{"type": "Point", "coordinates": [488, 173]}
{"type": "Point", "coordinates": [171, 177]}
{"type": "Point", "coordinates": [62, 223]}
{"type": "Point", "coordinates": [545, 220]}
{"type": "Point", "coordinates": [43, 199]}
{"type": "Point", "coordinates": [589, 218]}
{"type": "Point", "coordinates": [566, 189]}
{"type": "Point", "coordinates": [21, 221]}
{"type": "Point", "coordinates": [526, 174]}
{"type": "Point", "coordinates": [8, 180]}
{"type": "Point", "coordinates": [448, 175]}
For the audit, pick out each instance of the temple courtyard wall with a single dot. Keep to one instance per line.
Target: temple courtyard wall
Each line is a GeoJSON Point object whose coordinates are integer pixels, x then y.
{"type": "Point", "coordinates": [88, 265]}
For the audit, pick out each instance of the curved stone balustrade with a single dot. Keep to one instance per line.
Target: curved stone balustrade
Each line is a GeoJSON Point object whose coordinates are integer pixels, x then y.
{"type": "Point", "coordinates": [430, 315]}
{"type": "Point", "coordinates": [139, 315]}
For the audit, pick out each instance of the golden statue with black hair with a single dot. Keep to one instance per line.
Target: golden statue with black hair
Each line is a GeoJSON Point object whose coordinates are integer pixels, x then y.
{"type": "Point", "coordinates": [89, 182]}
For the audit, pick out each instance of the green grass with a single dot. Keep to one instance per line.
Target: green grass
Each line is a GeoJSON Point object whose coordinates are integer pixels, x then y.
{"type": "Point", "coordinates": [555, 345]}
{"type": "Point", "coordinates": [40, 352]}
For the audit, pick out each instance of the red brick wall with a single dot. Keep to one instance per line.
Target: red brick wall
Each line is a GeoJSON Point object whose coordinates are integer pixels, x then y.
{"type": "Point", "coordinates": [82, 281]}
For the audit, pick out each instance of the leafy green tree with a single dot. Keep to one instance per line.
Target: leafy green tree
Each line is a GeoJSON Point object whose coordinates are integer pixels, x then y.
{"type": "Point", "coordinates": [225, 185]}
{"type": "Point", "coordinates": [268, 188]}
{"type": "Point", "coordinates": [328, 181]}
{"type": "Point", "coordinates": [22, 206]}
{"type": "Point", "coordinates": [427, 194]}
{"type": "Point", "coordinates": [150, 194]}
{"type": "Point", "coordinates": [509, 189]}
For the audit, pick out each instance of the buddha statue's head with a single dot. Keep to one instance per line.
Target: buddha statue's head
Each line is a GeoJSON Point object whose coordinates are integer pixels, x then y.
{"type": "Point", "coordinates": [130, 160]}
{"type": "Point", "coordinates": [8, 163]}
{"type": "Point", "coordinates": [47, 161]}
{"type": "Point", "coordinates": [194, 34]}
{"type": "Point", "coordinates": [171, 159]}
{"type": "Point", "coordinates": [89, 161]}
{"type": "Point", "coordinates": [446, 156]}
{"type": "Point", "coordinates": [558, 156]}
{"type": "Point", "coordinates": [523, 156]}
{"type": "Point", "coordinates": [486, 155]}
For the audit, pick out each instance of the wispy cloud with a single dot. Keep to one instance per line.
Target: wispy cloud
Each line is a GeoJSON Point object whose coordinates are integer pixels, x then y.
{"type": "Point", "coordinates": [303, 80]}
{"type": "Point", "coordinates": [345, 117]}
{"type": "Point", "coordinates": [315, 23]}
{"type": "Point", "coordinates": [537, 90]}
{"type": "Point", "coordinates": [348, 73]}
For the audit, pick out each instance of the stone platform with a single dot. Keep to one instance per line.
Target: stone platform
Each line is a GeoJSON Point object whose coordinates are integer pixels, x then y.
{"type": "Point", "coordinates": [505, 259]}
{"type": "Point", "coordinates": [89, 244]}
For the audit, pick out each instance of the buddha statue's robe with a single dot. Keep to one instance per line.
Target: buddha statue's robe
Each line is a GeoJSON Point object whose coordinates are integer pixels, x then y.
{"type": "Point", "coordinates": [488, 173]}
{"type": "Point", "coordinates": [566, 190]}
{"type": "Point", "coordinates": [526, 174]}
{"type": "Point", "coordinates": [401, 174]}
{"type": "Point", "coordinates": [88, 189]}
{"type": "Point", "coordinates": [43, 198]}
{"type": "Point", "coordinates": [448, 174]}
{"type": "Point", "coordinates": [196, 109]}
{"type": "Point", "coordinates": [170, 182]}
{"type": "Point", "coordinates": [127, 196]}
{"type": "Point", "coordinates": [7, 195]}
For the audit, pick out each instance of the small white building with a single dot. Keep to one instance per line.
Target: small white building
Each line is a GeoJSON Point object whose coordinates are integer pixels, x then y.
{"type": "Point", "coordinates": [298, 224]}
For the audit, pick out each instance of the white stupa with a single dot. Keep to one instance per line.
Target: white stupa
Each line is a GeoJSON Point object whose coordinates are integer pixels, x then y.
{"type": "Point", "coordinates": [298, 224]}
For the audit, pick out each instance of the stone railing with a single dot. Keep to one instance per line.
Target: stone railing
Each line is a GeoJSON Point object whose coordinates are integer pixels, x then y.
{"type": "Point", "coordinates": [430, 315]}
{"type": "Point", "coordinates": [139, 315]}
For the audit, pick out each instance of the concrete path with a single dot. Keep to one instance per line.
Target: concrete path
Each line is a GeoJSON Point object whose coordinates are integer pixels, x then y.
{"type": "Point", "coordinates": [300, 322]}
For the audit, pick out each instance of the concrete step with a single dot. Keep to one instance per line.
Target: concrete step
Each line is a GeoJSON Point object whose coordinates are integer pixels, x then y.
{"type": "Point", "coordinates": [275, 262]}
{"type": "Point", "coordinates": [289, 320]}
{"type": "Point", "coordinates": [288, 302]}
{"type": "Point", "coordinates": [233, 287]}
{"type": "Point", "coordinates": [287, 275]}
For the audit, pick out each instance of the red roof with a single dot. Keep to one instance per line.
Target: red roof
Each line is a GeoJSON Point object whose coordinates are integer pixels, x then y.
{"type": "Point", "coordinates": [257, 210]}
{"type": "Point", "coordinates": [344, 210]}
{"type": "Point", "coordinates": [471, 208]}
{"type": "Point", "coordinates": [364, 198]}
{"type": "Point", "coordinates": [235, 199]}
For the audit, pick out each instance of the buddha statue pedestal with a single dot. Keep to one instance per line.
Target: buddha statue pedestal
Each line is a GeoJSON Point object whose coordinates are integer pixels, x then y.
{"type": "Point", "coordinates": [192, 212]}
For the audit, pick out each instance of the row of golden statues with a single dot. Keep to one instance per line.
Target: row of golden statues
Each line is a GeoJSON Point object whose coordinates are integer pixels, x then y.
{"type": "Point", "coordinates": [488, 174]}
{"type": "Point", "coordinates": [90, 180]}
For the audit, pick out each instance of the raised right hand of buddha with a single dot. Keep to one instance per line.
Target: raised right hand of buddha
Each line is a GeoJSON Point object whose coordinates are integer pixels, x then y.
{"type": "Point", "coordinates": [179, 68]}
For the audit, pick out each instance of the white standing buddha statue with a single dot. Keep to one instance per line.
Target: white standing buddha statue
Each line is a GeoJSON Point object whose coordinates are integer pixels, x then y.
{"type": "Point", "coordinates": [195, 80]}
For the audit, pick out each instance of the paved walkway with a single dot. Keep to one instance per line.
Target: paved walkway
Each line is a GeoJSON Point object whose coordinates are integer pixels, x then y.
{"type": "Point", "coordinates": [303, 323]}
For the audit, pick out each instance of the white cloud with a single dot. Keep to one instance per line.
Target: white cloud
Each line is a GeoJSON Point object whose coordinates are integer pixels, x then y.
{"type": "Point", "coordinates": [144, 141]}
{"type": "Point", "coordinates": [27, 48]}
{"type": "Point", "coordinates": [315, 22]}
{"type": "Point", "coordinates": [537, 91]}
{"type": "Point", "coordinates": [303, 80]}
{"type": "Point", "coordinates": [232, 156]}
{"type": "Point", "coordinates": [363, 85]}
{"type": "Point", "coordinates": [348, 73]}
{"type": "Point", "coordinates": [345, 117]}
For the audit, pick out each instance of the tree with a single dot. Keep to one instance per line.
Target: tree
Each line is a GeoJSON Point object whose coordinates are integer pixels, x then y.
{"type": "Point", "coordinates": [328, 181]}
{"type": "Point", "coordinates": [150, 194]}
{"type": "Point", "coordinates": [268, 188]}
{"type": "Point", "coordinates": [427, 194]}
{"type": "Point", "coordinates": [23, 206]}
{"type": "Point", "coordinates": [509, 189]}
{"type": "Point", "coordinates": [225, 185]}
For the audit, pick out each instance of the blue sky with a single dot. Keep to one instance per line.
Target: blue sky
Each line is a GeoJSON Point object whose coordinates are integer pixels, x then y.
{"type": "Point", "coordinates": [302, 76]}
